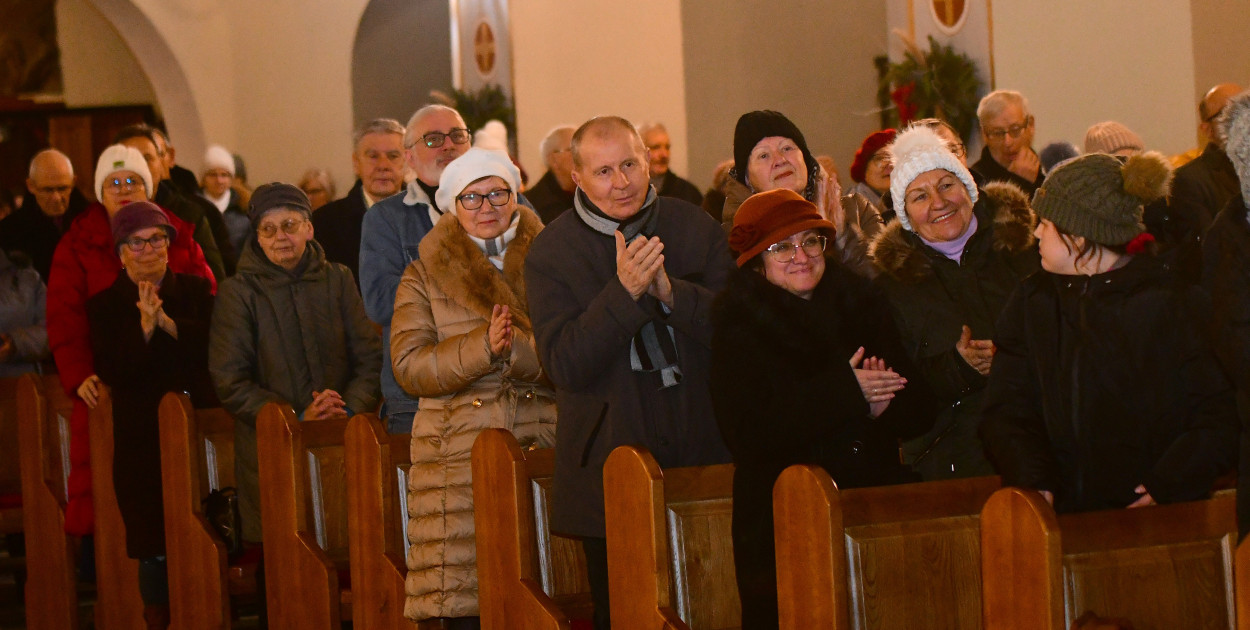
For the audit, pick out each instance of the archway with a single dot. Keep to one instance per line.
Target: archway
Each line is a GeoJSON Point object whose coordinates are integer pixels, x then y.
{"type": "Point", "coordinates": [401, 52]}
{"type": "Point", "coordinates": [169, 81]}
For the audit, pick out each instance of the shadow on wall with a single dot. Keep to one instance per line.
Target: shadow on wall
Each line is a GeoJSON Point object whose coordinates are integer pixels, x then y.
{"type": "Point", "coordinates": [402, 51]}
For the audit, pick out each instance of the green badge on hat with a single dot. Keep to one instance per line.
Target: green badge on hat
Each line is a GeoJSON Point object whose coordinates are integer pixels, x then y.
{"type": "Point", "coordinates": [119, 164]}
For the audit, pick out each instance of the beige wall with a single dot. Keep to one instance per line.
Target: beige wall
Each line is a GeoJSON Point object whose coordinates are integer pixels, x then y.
{"type": "Point", "coordinates": [576, 60]}
{"type": "Point", "coordinates": [1220, 51]}
{"type": "Point", "coordinates": [809, 59]}
{"type": "Point", "coordinates": [104, 73]}
{"type": "Point", "coordinates": [1081, 62]}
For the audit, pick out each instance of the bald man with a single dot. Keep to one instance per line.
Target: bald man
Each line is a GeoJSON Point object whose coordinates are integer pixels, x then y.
{"type": "Point", "coordinates": [53, 202]}
{"type": "Point", "coordinates": [1204, 186]}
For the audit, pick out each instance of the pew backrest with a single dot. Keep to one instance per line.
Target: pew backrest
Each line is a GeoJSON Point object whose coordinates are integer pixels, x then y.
{"type": "Point", "coordinates": [1167, 566]}
{"type": "Point", "coordinates": [118, 603]}
{"type": "Point", "coordinates": [904, 556]}
{"type": "Point", "coordinates": [51, 592]}
{"type": "Point", "coordinates": [304, 518]}
{"type": "Point", "coordinates": [528, 577]}
{"type": "Point", "coordinates": [377, 480]}
{"type": "Point", "coordinates": [670, 545]}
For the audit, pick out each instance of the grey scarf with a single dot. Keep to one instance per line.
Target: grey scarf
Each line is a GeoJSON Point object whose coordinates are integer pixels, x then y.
{"type": "Point", "coordinates": [650, 351]}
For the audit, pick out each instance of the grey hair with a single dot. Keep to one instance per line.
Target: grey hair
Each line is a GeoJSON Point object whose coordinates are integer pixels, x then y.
{"type": "Point", "coordinates": [1233, 125]}
{"type": "Point", "coordinates": [320, 174]}
{"type": "Point", "coordinates": [551, 141]}
{"type": "Point", "coordinates": [377, 125]}
{"type": "Point", "coordinates": [995, 102]}
{"type": "Point", "coordinates": [417, 116]}
{"type": "Point", "coordinates": [34, 161]}
{"type": "Point", "coordinates": [599, 126]}
{"type": "Point", "coordinates": [648, 127]}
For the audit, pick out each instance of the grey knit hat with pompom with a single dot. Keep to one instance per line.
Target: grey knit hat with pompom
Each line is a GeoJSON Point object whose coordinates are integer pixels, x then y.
{"type": "Point", "coordinates": [1100, 197]}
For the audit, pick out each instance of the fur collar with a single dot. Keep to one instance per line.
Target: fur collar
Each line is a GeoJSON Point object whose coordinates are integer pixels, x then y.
{"type": "Point", "coordinates": [900, 254]}
{"type": "Point", "coordinates": [462, 271]}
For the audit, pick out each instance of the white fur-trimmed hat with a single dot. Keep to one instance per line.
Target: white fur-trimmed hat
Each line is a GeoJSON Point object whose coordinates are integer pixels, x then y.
{"type": "Point", "coordinates": [918, 150]}
{"type": "Point", "coordinates": [119, 157]}
{"type": "Point", "coordinates": [216, 156]}
{"type": "Point", "coordinates": [475, 164]}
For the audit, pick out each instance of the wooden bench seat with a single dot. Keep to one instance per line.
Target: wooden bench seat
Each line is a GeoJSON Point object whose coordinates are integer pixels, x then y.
{"type": "Point", "coordinates": [118, 604]}
{"type": "Point", "coordinates": [901, 557]}
{"type": "Point", "coordinates": [528, 578]}
{"type": "Point", "coordinates": [10, 469]}
{"type": "Point", "coordinates": [377, 485]}
{"type": "Point", "coordinates": [197, 456]}
{"type": "Point", "coordinates": [1168, 566]}
{"type": "Point", "coordinates": [670, 550]}
{"type": "Point", "coordinates": [43, 435]}
{"type": "Point", "coordinates": [303, 501]}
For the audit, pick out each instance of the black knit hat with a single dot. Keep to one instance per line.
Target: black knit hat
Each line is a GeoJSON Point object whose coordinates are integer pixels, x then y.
{"type": "Point", "coordinates": [277, 195]}
{"type": "Point", "coordinates": [765, 123]}
{"type": "Point", "coordinates": [1100, 197]}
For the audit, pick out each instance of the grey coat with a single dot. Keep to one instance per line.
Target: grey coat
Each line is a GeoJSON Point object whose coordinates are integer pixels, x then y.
{"type": "Point", "coordinates": [278, 336]}
{"type": "Point", "coordinates": [584, 321]}
{"type": "Point", "coordinates": [22, 297]}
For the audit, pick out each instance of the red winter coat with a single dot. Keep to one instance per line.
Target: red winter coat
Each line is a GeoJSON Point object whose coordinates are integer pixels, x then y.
{"type": "Point", "coordinates": [83, 265]}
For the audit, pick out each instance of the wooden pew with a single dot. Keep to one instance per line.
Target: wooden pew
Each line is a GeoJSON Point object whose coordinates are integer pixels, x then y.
{"type": "Point", "coordinates": [1168, 566]}
{"type": "Point", "coordinates": [303, 506]}
{"type": "Point", "coordinates": [689, 584]}
{"type": "Point", "coordinates": [888, 557]}
{"type": "Point", "coordinates": [377, 486]}
{"type": "Point", "coordinates": [118, 604]}
{"type": "Point", "coordinates": [197, 455]}
{"type": "Point", "coordinates": [10, 473]}
{"type": "Point", "coordinates": [528, 578]}
{"type": "Point", "coordinates": [43, 434]}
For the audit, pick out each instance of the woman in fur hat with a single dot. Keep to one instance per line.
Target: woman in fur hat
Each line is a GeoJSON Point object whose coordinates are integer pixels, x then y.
{"type": "Point", "coordinates": [807, 368]}
{"type": "Point", "coordinates": [947, 264]}
{"type": "Point", "coordinates": [462, 341]}
{"type": "Point", "coordinates": [1104, 392]}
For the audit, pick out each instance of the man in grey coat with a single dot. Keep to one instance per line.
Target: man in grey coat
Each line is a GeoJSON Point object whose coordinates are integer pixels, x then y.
{"type": "Point", "coordinates": [620, 291]}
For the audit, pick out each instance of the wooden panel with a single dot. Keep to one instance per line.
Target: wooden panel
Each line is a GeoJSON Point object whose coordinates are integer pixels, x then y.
{"type": "Point", "coordinates": [902, 572]}
{"type": "Point", "coordinates": [71, 134]}
{"type": "Point", "coordinates": [377, 562]}
{"type": "Point", "coordinates": [199, 593]}
{"type": "Point", "coordinates": [1158, 567]}
{"type": "Point", "coordinates": [217, 441]}
{"type": "Point", "coordinates": [562, 562]}
{"type": "Point", "coordinates": [302, 588]}
{"type": "Point", "coordinates": [701, 537]}
{"type": "Point", "coordinates": [327, 487]}
{"type": "Point", "coordinates": [51, 594]}
{"type": "Point", "coordinates": [10, 469]}
{"type": "Point", "coordinates": [118, 605]}
{"type": "Point", "coordinates": [510, 539]}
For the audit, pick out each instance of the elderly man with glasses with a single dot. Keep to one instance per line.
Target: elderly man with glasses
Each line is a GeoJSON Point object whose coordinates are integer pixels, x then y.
{"type": "Point", "coordinates": [378, 160]}
{"type": "Point", "coordinates": [46, 213]}
{"type": "Point", "coordinates": [435, 136]}
{"type": "Point", "coordinates": [1007, 130]}
{"type": "Point", "coordinates": [1202, 187]}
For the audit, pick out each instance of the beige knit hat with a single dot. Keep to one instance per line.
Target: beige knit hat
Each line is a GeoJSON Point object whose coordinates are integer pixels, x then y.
{"type": "Point", "coordinates": [1113, 138]}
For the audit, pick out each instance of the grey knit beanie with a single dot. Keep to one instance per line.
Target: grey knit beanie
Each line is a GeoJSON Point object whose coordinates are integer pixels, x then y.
{"type": "Point", "coordinates": [1100, 197]}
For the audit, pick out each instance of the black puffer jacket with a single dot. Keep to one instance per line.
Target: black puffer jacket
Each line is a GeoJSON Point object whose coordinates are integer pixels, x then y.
{"type": "Point", "coordinates": [1105, 382]}
{"type": "Point", "coordinates": [933, 297]}
{"type": "Point", "coordinates": [784, 393]}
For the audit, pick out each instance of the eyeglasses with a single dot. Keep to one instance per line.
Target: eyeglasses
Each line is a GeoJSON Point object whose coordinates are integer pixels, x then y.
{"type": "Point", "coordinates": [290, 226]}
{"type": "Point", "coordinates": [1014, 131]}
{"type": "Point", "coordinates": [880, 157]}
{"type": "Point", "coordinates": [1213, 116]}
{"type": "Point", "coordinates": [118, 185]}
{"type": "Point", "coordinates": [54, 190]}
{"type": "Point", "coordinates": [785, 251]}
{"type": "Point", "coordinates": [473, 201]}
{"type": "Point", "coordinates": [958, 148]}
{"type": "Point", "coordinates": [136, 244]}
{"type": "Point", "coordinates": [435, 139]}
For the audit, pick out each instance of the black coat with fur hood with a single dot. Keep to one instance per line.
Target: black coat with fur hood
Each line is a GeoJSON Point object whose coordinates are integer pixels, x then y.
{"type": "Point", "coordinates": [933, 297]}
{"type": "Point", "coordinates": [784, 393]}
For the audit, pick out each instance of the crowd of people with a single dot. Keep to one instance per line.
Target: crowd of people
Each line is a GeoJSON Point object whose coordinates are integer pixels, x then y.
{"type": "Point", "coordinates": [1072, 320]}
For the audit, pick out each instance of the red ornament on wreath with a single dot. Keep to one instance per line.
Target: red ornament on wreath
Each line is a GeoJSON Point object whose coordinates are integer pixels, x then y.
{"type": "Point", "coordinates": [901, 96]}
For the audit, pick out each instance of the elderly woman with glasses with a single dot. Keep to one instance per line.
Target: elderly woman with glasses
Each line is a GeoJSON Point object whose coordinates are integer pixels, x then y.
{"type": "Point", "coordinates": [947, 265]}
{"type": "Point", "coordinates": [807, 368]}
{"type": "Point", "coordinates": [149, 336]}
{"type": "Point", "coordinates": [462, 341]}
{"type": "Point", "coordinates": [85, 263]}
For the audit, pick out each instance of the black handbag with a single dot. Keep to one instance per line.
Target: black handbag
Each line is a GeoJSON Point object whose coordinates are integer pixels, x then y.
{"type": "Point", "coordinates": [221, 509]}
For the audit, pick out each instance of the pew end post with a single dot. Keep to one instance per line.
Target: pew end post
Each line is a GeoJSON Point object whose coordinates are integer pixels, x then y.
{"type": "Point", "coordinates": [807, 519]}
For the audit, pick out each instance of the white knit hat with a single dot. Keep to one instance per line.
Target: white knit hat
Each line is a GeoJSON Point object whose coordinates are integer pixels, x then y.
{"type": "Point", "coordinates": [216, 156]}
{"type": "Point", "coordinates": [120, 157]}
{"type": "Point", "coordinates": [492, 135]}
{"type": "Point", "coordinates": [918, 150]}
{"type": "Point", "coordinates": [475, 164]}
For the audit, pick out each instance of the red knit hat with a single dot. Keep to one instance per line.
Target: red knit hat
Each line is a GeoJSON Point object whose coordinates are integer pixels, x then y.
{"type": "Point", "coordinates": [873, 143]}
{"type": "Point", "coordinates": [769, 217]}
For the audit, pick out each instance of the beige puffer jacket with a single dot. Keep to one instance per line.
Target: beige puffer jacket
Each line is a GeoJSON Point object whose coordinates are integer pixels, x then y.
{"type": "Point", "coordinates": [439, 352]}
